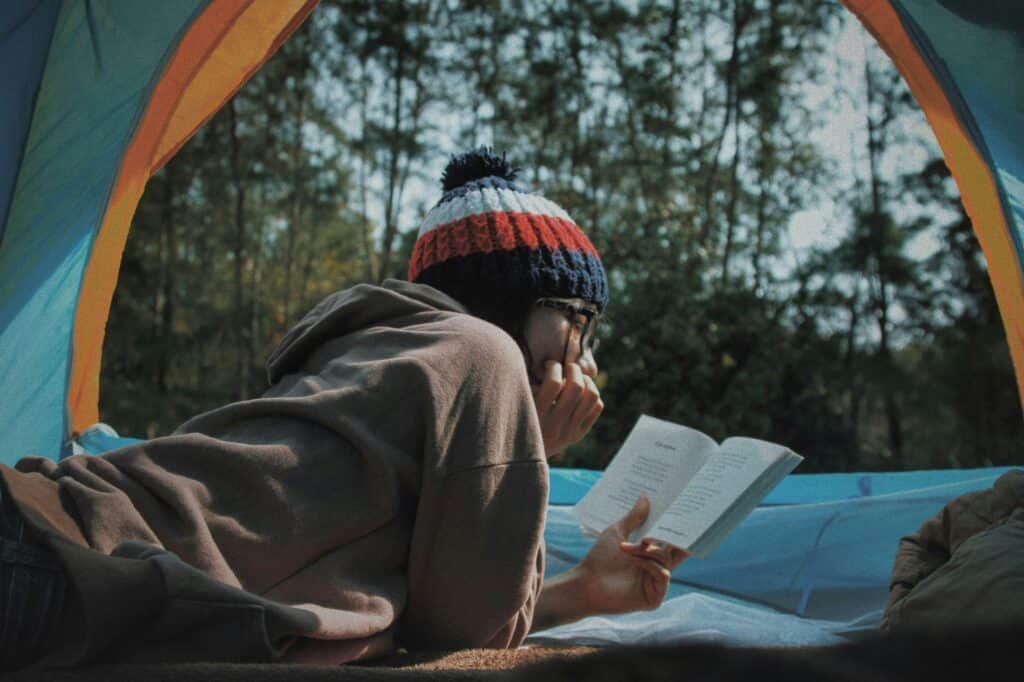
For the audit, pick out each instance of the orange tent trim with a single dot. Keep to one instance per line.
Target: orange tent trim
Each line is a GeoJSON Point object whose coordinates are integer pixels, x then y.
{"type": "Point", "coordinates": [973, 175]}
{"type": "Point", "coordinates": [221, 50]}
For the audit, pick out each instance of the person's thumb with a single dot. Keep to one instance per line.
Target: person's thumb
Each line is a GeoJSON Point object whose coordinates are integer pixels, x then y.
{"type": "Point", "coordinates": [636, 516]}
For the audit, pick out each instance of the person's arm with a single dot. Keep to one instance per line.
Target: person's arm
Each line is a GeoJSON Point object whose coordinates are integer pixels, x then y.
{"type": "Point", "coordinates": [616, 576]}
{"type": "Point", "coordinates": [477, 560]}
{"type": "Point", "coordinates": [562, 600]}
{"type": "Point", "coordinates": [476, 554]}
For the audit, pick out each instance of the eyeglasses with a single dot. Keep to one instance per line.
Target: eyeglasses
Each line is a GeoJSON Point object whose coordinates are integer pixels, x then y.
{"type": "Point", "coordinates": [586, 329]}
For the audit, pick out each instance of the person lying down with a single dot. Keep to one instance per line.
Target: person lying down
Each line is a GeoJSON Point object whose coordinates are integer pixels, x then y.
{"type": "Point", "coordinates": [388, 490]}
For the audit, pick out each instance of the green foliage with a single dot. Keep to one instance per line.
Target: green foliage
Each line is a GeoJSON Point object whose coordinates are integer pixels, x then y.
{"type": "Point", "coordinates": [678, 134]}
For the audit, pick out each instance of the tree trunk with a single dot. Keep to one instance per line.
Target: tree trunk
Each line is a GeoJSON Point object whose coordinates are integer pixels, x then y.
{"type": "Point", "coordinates": [390, 218]}
{"type": "Point", "coordinates": [671, 41]}
{"type": "Point", "coordinates": [739, 21]}
{"type": "Point", "coordinates": [256, 294]}
{"type": "Point", "coordinates": [849, 360]}
{"type": "Point", "coordinates": [370, 270]}
{"type": "Point", "coordinates": [238, 253]}
{"type": "Point", "coordinates": [632, 126]}
{"type": "Point", "coordinates": [762, 205]}
{"type": "Point", "coordinates": [295, 212]}
{"type": "Point", "coordinates": [169, 248]}
{"type": "Point", "coordinates": [881, 295]}
{"type": "Point", "coordinates": [731, 217]}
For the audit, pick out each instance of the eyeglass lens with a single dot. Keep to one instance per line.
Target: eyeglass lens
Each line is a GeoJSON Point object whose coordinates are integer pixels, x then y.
{"type": "Point", "coordinates": [587, 332]}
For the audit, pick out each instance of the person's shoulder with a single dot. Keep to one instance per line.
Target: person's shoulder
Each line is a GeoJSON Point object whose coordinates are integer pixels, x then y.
{"type": "Point", "coordinates": [482, 341]}
{"type": "Point", "coordinates": [465, 348]}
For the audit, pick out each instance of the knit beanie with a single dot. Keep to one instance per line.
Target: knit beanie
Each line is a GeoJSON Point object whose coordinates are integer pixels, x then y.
{"type": "Point", "coordinates": [490, 242]}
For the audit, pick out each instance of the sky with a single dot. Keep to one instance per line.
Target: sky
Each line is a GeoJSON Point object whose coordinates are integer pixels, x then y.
{"type": "Point", "coordinates": [841, 139]}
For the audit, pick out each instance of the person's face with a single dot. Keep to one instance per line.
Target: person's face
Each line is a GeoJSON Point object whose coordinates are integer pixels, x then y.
{"type": "Point", "coordinates": [560, 335]}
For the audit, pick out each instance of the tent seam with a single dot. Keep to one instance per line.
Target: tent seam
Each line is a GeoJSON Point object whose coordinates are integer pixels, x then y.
{"type": "Point", "coordinates": [67, 435]}
{"type": "Point", "coordinates": [28, 131]}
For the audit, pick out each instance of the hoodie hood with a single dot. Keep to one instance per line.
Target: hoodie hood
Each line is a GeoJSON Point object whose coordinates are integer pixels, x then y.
{"type": "Point", "coordinates": [343, 312]}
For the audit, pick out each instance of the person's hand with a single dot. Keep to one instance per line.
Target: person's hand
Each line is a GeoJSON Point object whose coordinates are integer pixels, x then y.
{"type": "Point", "coordinates": [568, 406]}
{"type": "Point", "coordinates": [620, 576]}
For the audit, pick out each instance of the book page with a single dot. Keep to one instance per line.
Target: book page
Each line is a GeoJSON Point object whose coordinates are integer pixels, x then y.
{"type": "Point", "coordinates": [715, 488]}
{"type": "Point", "coordinates": [747, 502]}
{"type": "Point", "coordinates": [657, 459]}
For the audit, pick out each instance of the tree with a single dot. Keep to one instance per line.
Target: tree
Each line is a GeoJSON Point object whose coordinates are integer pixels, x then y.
{"type": "Point", "coordinates": [677, 133]}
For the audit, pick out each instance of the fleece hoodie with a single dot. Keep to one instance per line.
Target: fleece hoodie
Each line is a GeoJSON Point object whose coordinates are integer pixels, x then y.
{"type": "Point", "coordinates": [388, 489]}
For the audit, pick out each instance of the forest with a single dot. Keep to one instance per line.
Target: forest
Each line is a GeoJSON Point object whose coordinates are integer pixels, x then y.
{"type": "Point", "coordinates": [787, 252]}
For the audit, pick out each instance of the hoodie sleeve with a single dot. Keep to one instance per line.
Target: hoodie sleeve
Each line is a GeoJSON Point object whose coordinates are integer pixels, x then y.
{"type": "Point", "coordinates": [476, 559]}
{"type": "Point", "coordinates": [477, 566]}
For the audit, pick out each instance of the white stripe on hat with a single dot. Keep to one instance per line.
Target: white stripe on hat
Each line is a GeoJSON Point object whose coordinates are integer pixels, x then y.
{"type": "Point", "coordinates": [490, 200]}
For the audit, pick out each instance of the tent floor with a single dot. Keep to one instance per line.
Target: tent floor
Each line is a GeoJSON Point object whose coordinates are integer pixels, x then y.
{"type": "Point", "coordinates": [975, 653]}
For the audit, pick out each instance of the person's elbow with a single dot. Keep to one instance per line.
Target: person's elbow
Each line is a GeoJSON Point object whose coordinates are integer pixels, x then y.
{"type": "Point", "coordinates": [467, 625]}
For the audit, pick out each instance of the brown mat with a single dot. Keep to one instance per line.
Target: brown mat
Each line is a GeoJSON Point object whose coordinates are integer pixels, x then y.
{"type": "Point", "coordinates": [978, 653]}
{"type": "Point", "coordinates": [465, 664]}
{"type": "Point", "coordinates": [482, 659]}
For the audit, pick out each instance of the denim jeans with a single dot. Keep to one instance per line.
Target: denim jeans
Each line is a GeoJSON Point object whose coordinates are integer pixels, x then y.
{"type": "Point", "coordinates": [32, 589]}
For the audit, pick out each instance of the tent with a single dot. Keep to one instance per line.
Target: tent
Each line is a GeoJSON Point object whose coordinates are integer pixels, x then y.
{"type": "Point", "coordinates": [99, 95]}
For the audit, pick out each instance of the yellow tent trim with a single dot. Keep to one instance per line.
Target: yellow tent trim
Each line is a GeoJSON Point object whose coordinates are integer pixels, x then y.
{"type": "Point", "coordinates": [972, 173]}
{"type": "Point", "coordinates": [218, 54]}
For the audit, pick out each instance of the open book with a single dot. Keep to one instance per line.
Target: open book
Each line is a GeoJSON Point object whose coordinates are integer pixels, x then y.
{"type": "Point", "coordinates": [699, 490]}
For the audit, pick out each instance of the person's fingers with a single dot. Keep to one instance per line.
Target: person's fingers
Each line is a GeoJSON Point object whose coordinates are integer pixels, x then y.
{"type": "Point", "coordinates": [676, 556]}
{"type": "Point", "coordinates": [668, 555]}
{"type": "Point", "coordinates": [658, 573]}
{"type": "Point", "coordinates": [588, 422]}
{"type": "Point", "coordinates": [549, 388]}
{"type": "Point", "coordinates": [566, 401]}
{"type": "Point", "coordinates": [588, 396]}
{"type": "Point", "coordinates": [568, 404]}
{"type": "Point", "coordinates": [584, 404]}
{"type": "Point", "coordinates": [646, 550]}
{"type": "Point", "coordinates": [635, 518]}
{"type": "Point", "coordinates": [659, 551]}
{"type": "Point", "coordinates": [655, 579]}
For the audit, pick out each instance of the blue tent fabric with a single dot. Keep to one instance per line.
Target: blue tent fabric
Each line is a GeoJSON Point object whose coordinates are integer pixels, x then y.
{"type": "Point", "coordinates": [65, 173]}
{"type": "Point", "coordinates": [100, 438]}
{"type": "Point", "coordinates": [25, 32]}
{"type": "Point", "coordinates": [568, 486]}
{"type": "Point", "coordinates": [977, 49]}
{"type": "Point", "coordinates": [811, 564]}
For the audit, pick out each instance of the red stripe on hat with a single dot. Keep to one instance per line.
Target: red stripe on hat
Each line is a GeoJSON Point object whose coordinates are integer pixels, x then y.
{"type": "Point", "coordinates": [496, 231]}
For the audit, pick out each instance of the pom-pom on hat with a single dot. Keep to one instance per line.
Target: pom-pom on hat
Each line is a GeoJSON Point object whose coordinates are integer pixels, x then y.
{"type": "Point", "coordinates": [488, 240]}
